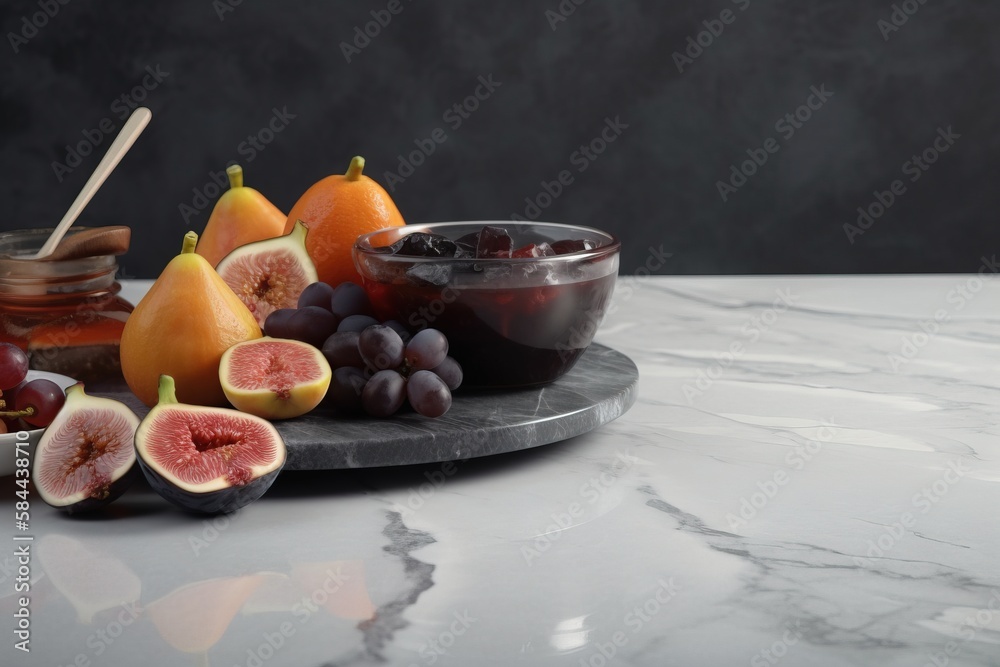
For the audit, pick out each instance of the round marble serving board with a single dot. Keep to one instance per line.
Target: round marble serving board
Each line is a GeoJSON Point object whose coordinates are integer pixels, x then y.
{"type": "Point", "coordinates": [599, 388]}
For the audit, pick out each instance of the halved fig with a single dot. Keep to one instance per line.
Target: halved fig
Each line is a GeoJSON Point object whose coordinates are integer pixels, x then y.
{"type": "Point", "coordinates": [205, 459]}
{"type": "Point", "coordinates": [274, 378]}
{"type": "Point", "coordinates": [270, 274]}
{"type": "Point", "coordinates": [85, 458]}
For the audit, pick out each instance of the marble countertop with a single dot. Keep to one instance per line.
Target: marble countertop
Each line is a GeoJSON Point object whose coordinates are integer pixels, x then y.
{"type": "Point", "coordinates": [809, 477]}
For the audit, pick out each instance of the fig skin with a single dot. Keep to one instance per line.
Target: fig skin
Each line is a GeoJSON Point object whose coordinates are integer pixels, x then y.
{"type": "Point", "coordinates": [115, 491]}
{"type": "Point", "coordinates": [76, 401]}
{"type": "Point", "coordinates": [224, 501]}
{"type": "Point", "coordinates": [259, 274]}
{"type": "Point", "coordinates": [264, 402]}
{"type": "Point", "coordinates": [229, 497]}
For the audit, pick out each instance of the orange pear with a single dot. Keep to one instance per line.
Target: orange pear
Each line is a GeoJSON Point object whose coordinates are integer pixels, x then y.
{"type": "Point", "coordinates": [242, 215]}
{"type": "Point", "coordinates": [181, 327]}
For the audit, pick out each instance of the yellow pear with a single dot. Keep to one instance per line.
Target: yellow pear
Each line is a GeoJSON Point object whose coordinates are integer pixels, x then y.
{"type": "Point", "coordinates": [181, 327]}
{"type": "Point", "coordinates": [242, 215]}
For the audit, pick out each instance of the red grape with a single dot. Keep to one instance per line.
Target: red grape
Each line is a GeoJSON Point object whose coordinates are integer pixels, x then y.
{"type": "Point", "coordinates": [356, 323]}
{"type": "Point", "coordinates": [384, 393]}
{"type": "Point", "coordinates": [426, 350]}
{"type": "Point", "coordinates": [276, 324]}
{"type": "Point", "coordinates": [13, 365]}
{"type": "Point", "coordinates": [350, 299]}
{"type": "Point", "coordinates": [312, 325]}
{"type": "Point", "coordinates": [451, 372]}
{"type": "Point", "coordinates": [316, 294]}
{"type": "Point", "coordinates": [45, 396]}
{"type": "Point", "coordinates": [428, 394]}
{"type": "Point", "coordinates": [381, 347]}
{"type": "Point", "coordinates": [341, 350]}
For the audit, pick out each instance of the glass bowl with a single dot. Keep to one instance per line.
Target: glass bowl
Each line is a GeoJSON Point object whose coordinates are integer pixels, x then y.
{"type": "Point", "coordinates": [510, 322]}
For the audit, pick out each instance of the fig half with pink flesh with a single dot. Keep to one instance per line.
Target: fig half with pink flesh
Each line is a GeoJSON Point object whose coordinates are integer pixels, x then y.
{"type": "Point", "coordinates": [85, 459]}
{"type": "Point", "coordinates": [206, 459]}
{"type": "Point", "coordinates": [274, 378]}
{"type": "Point", "coordinates": [269, 275]}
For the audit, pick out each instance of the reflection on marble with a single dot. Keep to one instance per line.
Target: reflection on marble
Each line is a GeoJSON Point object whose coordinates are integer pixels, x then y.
{"type": "Point", "coordinates": [821, 494]}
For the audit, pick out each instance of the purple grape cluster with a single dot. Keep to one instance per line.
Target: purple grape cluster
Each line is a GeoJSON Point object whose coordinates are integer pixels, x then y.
{"type": "Point", "coordinates": [377, 366]}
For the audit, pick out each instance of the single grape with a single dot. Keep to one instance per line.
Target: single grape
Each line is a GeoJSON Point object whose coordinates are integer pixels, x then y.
{"type": "Point", "coordinates": [381, 347]}
{"type": "Point", "coordinates": [312, 325]}
{"type": "Point", "coordinates": [428, 394]}
{"type": "Point", "coordinates": [384, 393]}
{"type": "Point", "coordinates": [350, 299]}
{"type": "Point", "coordinates": [316, 294]}
{"type": "Point", "coordinates": [276, 324]}
{"type": "Point", "coordinates": [13, 365]}
{"type": "Point", "coordinates": [398, 328]}
{"type": "Point", "coordinates": [346, 387]}
{"type": "Point", "coordinates": [426, 350]}
{"type": "Point", "coordinates": [45, 396]}
{"type": "Point", "coordinates": [341, 349]}
{"type": "Point", "coordinates": [356, 323]}
{"type": "Point", "coordinates": [451, 372]}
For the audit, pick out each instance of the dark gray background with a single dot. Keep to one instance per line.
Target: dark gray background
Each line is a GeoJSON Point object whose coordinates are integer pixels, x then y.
{"type": "Point", "coordinates": [656, 184]}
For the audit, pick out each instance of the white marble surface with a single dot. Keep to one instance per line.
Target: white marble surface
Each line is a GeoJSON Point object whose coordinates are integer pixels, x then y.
{"type": "Point", "coordinates": [813, 500]}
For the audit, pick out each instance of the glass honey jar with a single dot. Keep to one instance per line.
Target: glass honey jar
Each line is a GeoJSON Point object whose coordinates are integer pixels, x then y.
{"type": "Point", "coordinates": [65, 314]}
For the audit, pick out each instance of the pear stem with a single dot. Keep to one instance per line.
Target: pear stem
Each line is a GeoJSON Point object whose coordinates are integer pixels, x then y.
{"type": "Point", "coordinates": [235, 172]}
{"type": "Point", "coordinates": [357, 166]}
{"type": "Point", "coordinates": [190, 241]}
{"type": "Point", "coordinates": [167, 392]}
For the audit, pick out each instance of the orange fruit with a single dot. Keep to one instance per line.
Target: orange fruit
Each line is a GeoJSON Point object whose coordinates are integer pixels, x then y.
{"type": "Point", "coordinates": [242, 215]}
{"type": "Point", "coordinates": [181, 328]}
{"type": "Point", "coordinates": [337, 210]}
